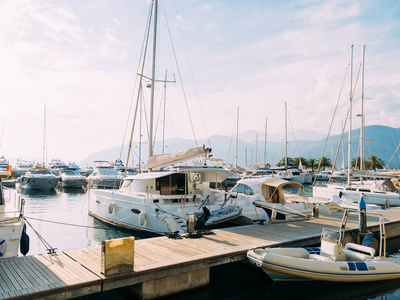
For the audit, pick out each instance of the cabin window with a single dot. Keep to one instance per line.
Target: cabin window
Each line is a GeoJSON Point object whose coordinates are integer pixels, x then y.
{"type": "Point", "coordinates": [174, 184]}
{"type": "Point", "coordinates": [244, 189]}
{"type": "Point", "coordinates": [364, 190]}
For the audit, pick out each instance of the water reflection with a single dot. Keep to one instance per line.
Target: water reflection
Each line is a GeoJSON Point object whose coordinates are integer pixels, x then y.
{"type": "Point", "coordinates": [39, 193]}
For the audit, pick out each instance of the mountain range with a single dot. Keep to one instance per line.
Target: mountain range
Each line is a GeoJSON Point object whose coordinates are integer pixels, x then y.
{"type": "Point", "coordinates": [381, 141]}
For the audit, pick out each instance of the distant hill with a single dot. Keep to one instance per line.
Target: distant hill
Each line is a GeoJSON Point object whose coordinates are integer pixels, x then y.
{"type": "Point", "coordinates": [379, 140]}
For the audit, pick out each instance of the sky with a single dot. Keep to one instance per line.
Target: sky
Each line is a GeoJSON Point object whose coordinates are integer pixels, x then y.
{"type": "Point", "coordinates": [80, 60]}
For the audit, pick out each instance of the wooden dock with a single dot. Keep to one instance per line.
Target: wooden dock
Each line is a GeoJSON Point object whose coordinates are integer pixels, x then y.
{"type": "Point", "coordinates": [158, 261]}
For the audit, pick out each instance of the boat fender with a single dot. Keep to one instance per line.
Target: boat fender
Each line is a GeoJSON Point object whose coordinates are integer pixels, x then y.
{"type": "Point", "coordinates": [24, 242]}
{"type": "Point", "coordinates": [3, 247]}
{"type": "Point", "coordinates": [111, 208]}
{"type": "Point", "coordinates": [142, 218]}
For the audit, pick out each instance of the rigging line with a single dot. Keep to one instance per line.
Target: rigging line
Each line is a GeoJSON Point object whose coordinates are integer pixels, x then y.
{"type": "Point", "coordinates": [230, 144]}
{"type": "Point", "coordinates": [45, 243]}
{"type": "Point", "coordinates": [133, 92]}
{"type": "Point", "coordinates": [330, 127]}
{"type": "Point", "coordinates": [393, 155]}
{"type": "Point", "coordinates": [139, 92]}
{"type": "Point", "coordinates": [67, 224]}
{"type": "Point", "coordinates": [180, 79]}
{"type": "Point", "coordinates": [191, 73]}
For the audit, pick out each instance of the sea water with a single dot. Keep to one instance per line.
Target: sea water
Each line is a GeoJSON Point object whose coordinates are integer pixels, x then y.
{"type": "Point", "coordinates": [59, 220]}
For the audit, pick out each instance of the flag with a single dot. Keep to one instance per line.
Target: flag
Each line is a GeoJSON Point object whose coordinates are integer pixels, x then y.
{"type": "Point", "coordinates": [9, 170]}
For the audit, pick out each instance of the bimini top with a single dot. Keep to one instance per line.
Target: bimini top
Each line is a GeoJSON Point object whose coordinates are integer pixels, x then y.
{"type": "Point", "coordinates": [272, 188]}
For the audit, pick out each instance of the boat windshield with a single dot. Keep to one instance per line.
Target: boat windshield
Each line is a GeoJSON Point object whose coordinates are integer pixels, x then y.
{"type": "Point", "coordinates": [107, 171]}
{"type": "Point", "coordinates": [69, 172]}
{"type": "Point", "coordinates": [330, 235]}
{"type": "Point", "coordinates": [244, 189]}
{"type": "Point", "coordinates": [46, 172]}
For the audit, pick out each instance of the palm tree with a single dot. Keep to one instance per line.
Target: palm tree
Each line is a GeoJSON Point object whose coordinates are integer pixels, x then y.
{"type": "Point", "coordinates": [325, 162]}
{"type": "Point", "coordinates": [296, 161]}
{"type": "Point", "coordinates": [355, 163]}
{"type": "Point", "coordinates": [312, 163]}
{"type": "Point", "coordinates": [376, 162]}
{"type": "Point", "coordinates": [282, 161]}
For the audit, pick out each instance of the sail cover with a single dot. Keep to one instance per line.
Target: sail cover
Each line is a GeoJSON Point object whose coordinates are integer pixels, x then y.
{"type": "Point", "coordinates": [163, 160]}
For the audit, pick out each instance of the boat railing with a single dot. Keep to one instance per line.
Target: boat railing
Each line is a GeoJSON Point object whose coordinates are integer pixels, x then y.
{"type": "Point", "coordinates": [382, 231]}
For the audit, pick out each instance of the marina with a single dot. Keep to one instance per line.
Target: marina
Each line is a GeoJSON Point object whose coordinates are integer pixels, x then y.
{"type": "Point", "coordinates": [157, 261]}
{"type": "Point", "coordinates": [119, 191]}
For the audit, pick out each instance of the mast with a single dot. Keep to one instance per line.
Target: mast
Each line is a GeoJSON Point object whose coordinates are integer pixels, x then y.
{"type": "Point", "coordinates": [257, 148]}
{"type": "Point", "coordinates": [285, 136]}
{"type": "Point", "coordinates": [165, 97]}
{"type": "Point", "coordinates": [265, 142]}
{"type": "Point", "coordinates": [153, 74]}
{"type": "Point", "coordinates": [140, 130]}
{"type": "Point", "coordinates": [44, 135]}
{"type": "Point", "coordinates": [351, 107]}
{"type": "Point", "coordinates": [362, 112]}
{"type": "Point", "coordinates": [237, 138]}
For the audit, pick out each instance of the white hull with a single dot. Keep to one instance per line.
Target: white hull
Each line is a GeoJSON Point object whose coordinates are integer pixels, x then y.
{"type": "Point", "coordinates": [299, 265]}
{"type": "Point", "coordinates": [72, 183]}
{"type": "Point", "coordinates": [378, 198]}
{"type": "Point", "coordinates": [39, 183]}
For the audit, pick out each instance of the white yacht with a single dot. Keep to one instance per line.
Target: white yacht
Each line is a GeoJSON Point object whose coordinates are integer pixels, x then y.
{"type": "Point", "coordinates": [104, 176]}
{"type": "Point", "coordinates": [160, 202]}
{"type": "Point", "coordinates": [323, 175]}
{"type": "Point", "coordinates": [38, 179]}
{"type": "Point", "coordinates": [3, 164]}
{"type": "Point", "coordinates": [12, 222]}
{"type": "Point", "coordinates": [70, 178]}
{"type": "Point", "coordinates": [279, 198]}
{"type": "Point", "coordinates": [379, 192]}
{"type": "Point", "coordinates": [56, 166]}
{"type": "Point", "coordinates": [21, 167]}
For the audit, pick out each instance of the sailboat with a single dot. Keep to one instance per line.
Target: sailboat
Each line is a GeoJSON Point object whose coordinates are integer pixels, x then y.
{"type": "Point", "coordinates": [160, 201]}
{"type": "Point", "coordinates": [378, 192]}
{"type": "Point", "coordinates": [39, 178]}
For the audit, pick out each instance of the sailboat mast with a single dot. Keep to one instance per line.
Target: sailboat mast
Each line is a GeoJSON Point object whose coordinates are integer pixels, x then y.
{"type": "Point", "coordinates": [256, 148]}
{"type": "Point", "coordinates": [285, 136]}
{"type": "Point", "coordinates": [44, 135]}
{"type": "Point", "coordinates": [351, 107]}
{"type": "Point", "coordinates": [165, 99]}
{"type": "Point", "coordinates": [362, 112]}
{"type": "Point", "coordinates": [237, 138]}
{"type": "Point", "coordinates": [153, 74]}
{"type": "Point", "coordinates": [265, 142]}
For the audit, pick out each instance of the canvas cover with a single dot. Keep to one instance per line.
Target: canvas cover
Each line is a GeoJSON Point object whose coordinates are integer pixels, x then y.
{"type": "Point", "coordinates": [168, 159]}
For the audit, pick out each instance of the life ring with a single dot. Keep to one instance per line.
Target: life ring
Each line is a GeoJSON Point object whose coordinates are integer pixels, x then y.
{"type": "Point", "coordinates": [3, 247]}
{"type": "Point", "coordinates": [142, 218]}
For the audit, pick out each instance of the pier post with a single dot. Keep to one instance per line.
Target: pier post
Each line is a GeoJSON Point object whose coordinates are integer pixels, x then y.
{"type": "Point", "coordinates": [362, 215]}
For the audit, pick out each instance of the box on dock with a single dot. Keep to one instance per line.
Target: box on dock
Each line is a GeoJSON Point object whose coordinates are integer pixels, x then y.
{"type": "Point", "coordinates": [117, 256]}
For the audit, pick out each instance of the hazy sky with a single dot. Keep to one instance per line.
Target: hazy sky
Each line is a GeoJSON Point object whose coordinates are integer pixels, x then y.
{"type": "Point", "coordinates": [81, 59]}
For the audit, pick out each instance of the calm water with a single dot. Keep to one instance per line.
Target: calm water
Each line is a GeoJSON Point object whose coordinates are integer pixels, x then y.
{"type": "Point", "coordinates": [61, 219]}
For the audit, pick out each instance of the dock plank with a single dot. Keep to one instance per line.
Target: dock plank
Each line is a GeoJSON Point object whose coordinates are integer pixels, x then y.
{"type": "Point", "coordinates": [77, 272]}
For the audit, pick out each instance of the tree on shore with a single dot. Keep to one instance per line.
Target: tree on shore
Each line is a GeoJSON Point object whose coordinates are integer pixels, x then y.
{"type": "Point", "coordinates": [325, 162]}
{"type": "Point", "coordinates": [376, 162]}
